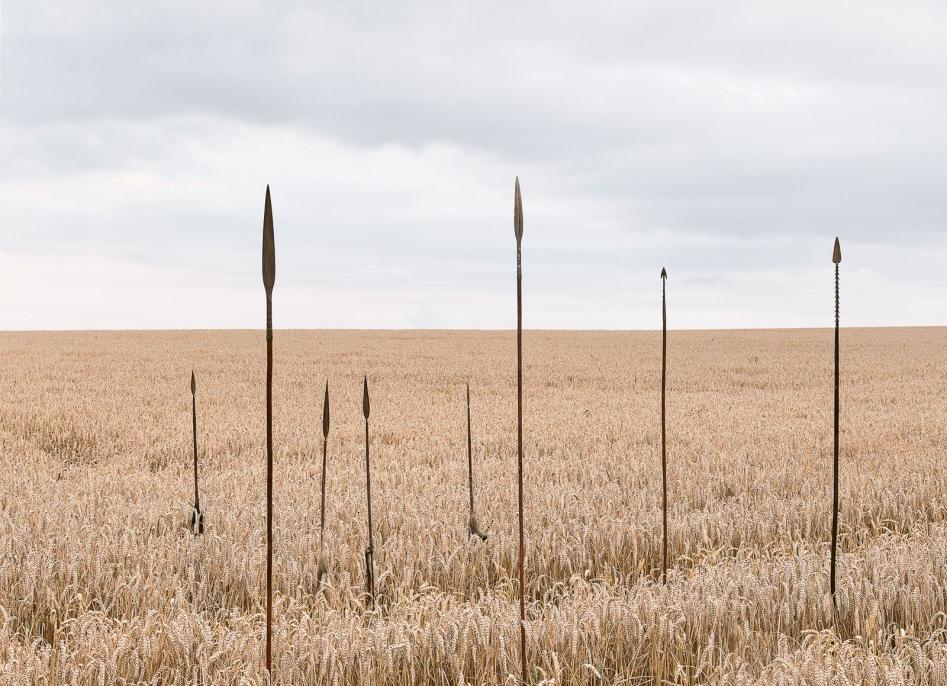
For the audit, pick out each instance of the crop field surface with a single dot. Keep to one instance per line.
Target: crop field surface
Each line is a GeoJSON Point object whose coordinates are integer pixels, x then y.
{"type": "Point", "coordinates": [102, 581]}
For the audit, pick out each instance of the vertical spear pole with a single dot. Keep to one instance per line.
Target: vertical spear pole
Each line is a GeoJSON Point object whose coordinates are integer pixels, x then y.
{"type": "Point", "coordinates": [322, 507]}
{"type": "Point", "coordinates": [836, 259]}
{"type": "Point", "coordinates": [370, 550]}
{"type": "Point", "coordinates": [664, 464]}
{"type": "Point", "coordinates": [518, 232]}
{"type": "Point", "coordinates": [269, 277]}
{"type": "Point", "coordinates": [473, 528]}
{"type": "Point", "coordinates": [197, 517]}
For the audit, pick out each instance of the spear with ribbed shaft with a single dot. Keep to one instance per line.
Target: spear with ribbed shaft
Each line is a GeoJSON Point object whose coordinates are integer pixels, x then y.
{"type": "Point", "coordinates": [370, 550]}
{"type": "Point", "coordinates": [836, 259]}
{"type": "Point", "coordinates": [197, 517]}
{"type": "Point", "coordinates": [473, 528]}
{"type": "Point", "coordinates": [664, 462]}
{"type": "Point", "coordinates": [518, 232]}
{"type": "Point", "coordinates": [322, 507]}
{"type": "Point", "coordinates": [269, 277]}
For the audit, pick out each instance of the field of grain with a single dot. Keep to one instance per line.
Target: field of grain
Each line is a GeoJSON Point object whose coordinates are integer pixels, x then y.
{"type": "Point", "coordinates": [101, 582]}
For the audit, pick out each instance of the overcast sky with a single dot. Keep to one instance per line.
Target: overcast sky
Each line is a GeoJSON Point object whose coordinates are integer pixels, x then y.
{"type": "Point", "coordinates": [730, 142]}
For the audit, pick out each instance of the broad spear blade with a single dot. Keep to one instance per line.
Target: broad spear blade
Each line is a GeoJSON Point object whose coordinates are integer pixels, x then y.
{"type": "Point", "coordinates": [837, 252]}
{"type": "Point", "coordinates": [517, 212]}
{"type": "Point", "coordinates": [366, 406]}
{"type": "Point", "coordinates": [269, 250]}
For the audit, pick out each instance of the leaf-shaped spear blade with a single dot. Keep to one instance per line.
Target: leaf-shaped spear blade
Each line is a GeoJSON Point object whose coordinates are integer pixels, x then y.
{"type": "Point", "coordinates": [197, 516]}
{"type": "Point", "coordinates": [269, 277]}
{"type": "Point", "coordinates": [473, 528]}
{"type": "Point", "coordinates": [322, 528]}
{"type": "Point", "coordinates": [518, 232]}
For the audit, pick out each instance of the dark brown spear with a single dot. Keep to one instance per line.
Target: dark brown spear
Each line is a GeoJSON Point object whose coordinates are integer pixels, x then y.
{"type": "Point", "coordinates": [370, 550]}
{"type": "Point", "coordinates": [518, 232]}
{"type": "Point", "coordinates": [473, 529]}
{"type": "Point", "coordinates": [197, 517]}
{"type": "Point", "coordinates": [836, 259]}
{"type": "Point", "coordinates": [664, 464]}
{"type": "Point", "coordinates": [269, 277]}
{"type": "Point", "coordinates": [322, 527]}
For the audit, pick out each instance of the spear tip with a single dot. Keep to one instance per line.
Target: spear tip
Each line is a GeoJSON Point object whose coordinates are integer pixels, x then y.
{"type": "Point", "coordinates": [269, 251]}
{"type": "Point", "coordinates": [325, 413]}
{"type": "Point", "coordinates": [664, 273]}
{"type": "Point", "coordinates": [517, 212]}
{"type": "Point", "coordinates": [837, 252]}
{"type": "Point", "coordinates": [193, 383]}
{"type": "Point", "coordinates": [366, 407]}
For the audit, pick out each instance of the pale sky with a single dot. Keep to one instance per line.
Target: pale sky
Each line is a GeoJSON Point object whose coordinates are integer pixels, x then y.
{"type": "Point", "coordinates": [729, 142]}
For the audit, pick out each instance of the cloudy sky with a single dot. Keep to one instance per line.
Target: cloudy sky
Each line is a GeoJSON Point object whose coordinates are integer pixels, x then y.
{"type": "Point", "coordinates": [730, 142]}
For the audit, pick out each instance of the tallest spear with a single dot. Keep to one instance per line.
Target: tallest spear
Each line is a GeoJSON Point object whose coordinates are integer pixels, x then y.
{"type": "Point", "coordinates": [837, 259]}
{"type": "Point", "coordinates": [269, 277]}
{"type": "Point", "coordinates": [518, 232]}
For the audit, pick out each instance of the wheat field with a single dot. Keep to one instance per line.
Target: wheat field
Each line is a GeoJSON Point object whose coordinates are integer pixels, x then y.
{"type": "Point", "coordinates": [101, 581]}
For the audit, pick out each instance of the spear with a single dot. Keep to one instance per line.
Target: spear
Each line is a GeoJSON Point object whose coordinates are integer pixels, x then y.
{"type": "Point", "coordinates": [836, 259]}
{"type": "Point", "coordinates": [472, 528]}
{"type": "Point", "coordinates": [197, 517]}
{"type": "Point", "coordinates": [322, 528]}
{"type": "Point", "coordinates": [269, 277]}
{"type": "Point", "coordinates": [664, 466]}
{"type": "Point", "coordinates": [518, 232]}
{"type": "Point", "coordinates": [370, 550]}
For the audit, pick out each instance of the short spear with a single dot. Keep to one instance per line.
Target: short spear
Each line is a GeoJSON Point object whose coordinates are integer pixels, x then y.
{"type": "Point", "coordinates": [269, 277]}
{"type": "Point", "coordinates": [370, 550]}
{"type": "Point", "coordinates": [472, 528]}
{"type": "Point", "coordinates": [836, 259]}
{"type": "Point", "coordinates": [518, 232]}
{"type": "Point", "coordinates": [664, 466]}
{"type": "Point", "coordinates": [197, 517]}
{"type": "Point", "coordinates": [322, 528]}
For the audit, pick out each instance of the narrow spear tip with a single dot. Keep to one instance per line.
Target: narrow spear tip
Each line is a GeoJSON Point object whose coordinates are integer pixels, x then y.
{"type": "Point", "coordinates": [325, 413]}
{"type": "Point", "coordinates": [193, 383]}
{"type": "Point", "coordinates": [664, 273]}
{"type": "Point", "coordinates": [837, 252]}
{"type": "Point", "coordinates": [269, 251]}
{"type": "Point", "coordinates": [517, 212]}
{"type": "Point", "coordinates": [366, 407]}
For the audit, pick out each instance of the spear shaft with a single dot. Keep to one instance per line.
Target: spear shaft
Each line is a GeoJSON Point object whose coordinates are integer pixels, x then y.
{"type": "Point", "coordinates": [322, 525]}
{"type": "Point", "coordinates": [664, 467]}
{"type": "Point", "coordinates": [836, 258]}
{"type": "Point", "coordinates": [197, 517]}
{"type": "Point", "coordinates": [518, 231]}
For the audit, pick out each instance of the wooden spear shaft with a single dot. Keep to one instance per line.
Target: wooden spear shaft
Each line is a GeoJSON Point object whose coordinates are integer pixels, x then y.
{"type": "Point", "coordinates": [370, 550]}
{"type": "Point", "coordinates": [518, 231]}
{"type": "Point", "coordinates": [197, 517]}
{"type": "Point", "coordinates": [322, 508]}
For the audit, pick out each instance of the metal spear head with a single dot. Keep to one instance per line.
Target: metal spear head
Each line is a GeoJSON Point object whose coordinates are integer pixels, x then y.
{"type": "Point", "coordinates": [837, 252]}
{"type": "Point", "coordinates": [193, 383]}
{"type": "Point", "coordinates": [366, 407]}
{"type": "Point", "coordinates": [517, 213]}
{"type": "Point", "coordinates": [269, 251]}
{"type": "Point", "coordinates": [468, 393]}
{"type": "Point", "coordinates": [325, 413]}
{"type": "Point", "coordinates": [664, 273]}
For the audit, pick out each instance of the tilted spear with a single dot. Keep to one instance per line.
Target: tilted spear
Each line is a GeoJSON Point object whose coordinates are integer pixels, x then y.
{"type": "Point", "coordinates": [269, 277]}
{"type": "Point", "coordinates": [322, 527]}
{"type": "Point", "coordinates": [836, 259]}
{"type": "Point", "coordinates": [664, 465]}
{"type": "Point", "coordinates": [472, 527]}
{"type": "Point", "coordinates": [197, 517]}
{"type": "Point", "coordinates": [518, 232]}
{"type": "Point", "coordinates": [370, 550]}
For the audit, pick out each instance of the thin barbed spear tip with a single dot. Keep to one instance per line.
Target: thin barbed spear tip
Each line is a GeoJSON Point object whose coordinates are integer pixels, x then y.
{"type": "Point", "coordinates": [325, 413]}
{"type": "Point", "coordinates": [517, 212]}
{"type": "Point", "coordinates": [269, 250]}
{"type": "Point", "coordinates": [837, 252]}
{"type": "Point", "coordinates": [366, 406]}
{"type": "Point", "coordinates": [664, 273]}
{"type": "Point", "coordinates": [193, 383]}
